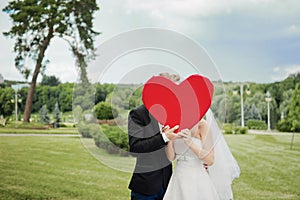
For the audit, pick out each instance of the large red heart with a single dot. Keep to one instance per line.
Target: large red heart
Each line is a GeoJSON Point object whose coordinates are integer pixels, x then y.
{"type": "Point", "coordinates": [184, 104]}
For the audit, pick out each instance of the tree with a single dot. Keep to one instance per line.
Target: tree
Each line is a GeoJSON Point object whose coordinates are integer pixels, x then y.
{"type": "Point", "coordinates": [6, 106]}
{"type": "Point", "coordinates": [294, 112]}
{"type": "Point", "coordinates": [44, 118]}
{"type": "Point", "coordinates": [294, 109]}
{"type": "Point", "coordinates": [56, 116]}
{"type": "Point", "coordinates": [1, 79]}
{"type": "Point", "coordinates": [36, 23]}
{"type": "Point", "coordinates": [50, 80]}
{"type": "Point", "coordinates": [104, 110]}
{"type": "Point", "coordinates": [254, 113]}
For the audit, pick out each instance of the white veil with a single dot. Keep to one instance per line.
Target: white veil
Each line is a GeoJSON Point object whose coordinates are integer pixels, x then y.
{"type": "Point", "coordinates": [225, 167]}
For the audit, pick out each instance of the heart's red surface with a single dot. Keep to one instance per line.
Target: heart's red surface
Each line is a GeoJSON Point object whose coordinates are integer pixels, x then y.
{"type": "Point", "coordinates": [181, 104]}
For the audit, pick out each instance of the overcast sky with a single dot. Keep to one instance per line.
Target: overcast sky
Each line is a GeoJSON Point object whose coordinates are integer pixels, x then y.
{"type": "Point", "coordinates": [249, 40]}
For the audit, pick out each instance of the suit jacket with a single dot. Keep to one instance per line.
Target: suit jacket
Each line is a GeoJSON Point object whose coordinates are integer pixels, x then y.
{"type": "Point", "coordinates": [152, 170]}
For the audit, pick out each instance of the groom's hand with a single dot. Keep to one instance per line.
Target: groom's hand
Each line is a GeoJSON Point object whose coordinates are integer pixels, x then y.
{"type": "Point", "coordinates": [169, 132]}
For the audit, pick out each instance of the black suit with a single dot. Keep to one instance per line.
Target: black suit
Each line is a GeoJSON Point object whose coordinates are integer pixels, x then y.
{"type": "Point", "coordinates": [153, 170]}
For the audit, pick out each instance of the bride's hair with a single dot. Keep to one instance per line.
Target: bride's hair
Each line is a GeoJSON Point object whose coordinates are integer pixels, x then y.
{"type": "Point", "coordinates": [172, 77]}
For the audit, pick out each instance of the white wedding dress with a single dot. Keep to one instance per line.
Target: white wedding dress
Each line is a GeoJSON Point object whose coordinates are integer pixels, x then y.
{"type": "Point", "coordinates": [190, 180]}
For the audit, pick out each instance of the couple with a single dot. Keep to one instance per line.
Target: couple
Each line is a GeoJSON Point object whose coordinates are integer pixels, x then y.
{"type": "Point", "coordinates": [204, 169]}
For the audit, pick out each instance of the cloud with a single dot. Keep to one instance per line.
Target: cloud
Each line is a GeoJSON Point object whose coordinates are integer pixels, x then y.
{"type": "Point", "coordinates": [204, 8]}
{"type": "Point", "coordinates": [283, 72]}
{"type": "Point", "coordinates": [64, 71]}
{"type": "Point", "coordinates": [276, 69]}
{"type": "Point", "coordinates": [293, 30]}
{"type": "Point", "coordinates": [292, 69]}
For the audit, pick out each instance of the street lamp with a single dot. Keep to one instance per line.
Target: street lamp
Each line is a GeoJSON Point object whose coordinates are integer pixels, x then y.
{"type": "Point", "coordinates": [248, 92]}
{"type": "Point", "coordinates": [16, 103]}
{"type": "Point", "coordinates": [268, 100]}
{"type": "Point", "coordinates": [16, 88]}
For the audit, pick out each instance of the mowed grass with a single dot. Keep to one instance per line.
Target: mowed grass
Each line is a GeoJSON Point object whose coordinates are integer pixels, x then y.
{"type": "Point", "coordinates": [61, 168]}
{"type": "Point", "coordinates": [55, 168]}
{"type": "Point", "coordinates": [269, 169]}
{"type": "Point", "coordinates": [36, 131]}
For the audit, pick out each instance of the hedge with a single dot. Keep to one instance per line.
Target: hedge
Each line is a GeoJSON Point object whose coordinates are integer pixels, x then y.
{"type": "Point", "coordinates": [257, 124]}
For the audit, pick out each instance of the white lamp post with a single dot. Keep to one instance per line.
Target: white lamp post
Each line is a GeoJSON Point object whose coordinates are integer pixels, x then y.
{"type": "Point", "coordinates": [248, 92]}
{"type": "Point", "coordinates": [16, 88]}
{"type": "Point", "coordinates": [16, 100]}
{"type": "Point", "coordinates": [242, 105]}
{"type": "Point", "coordinates": [268, 100]}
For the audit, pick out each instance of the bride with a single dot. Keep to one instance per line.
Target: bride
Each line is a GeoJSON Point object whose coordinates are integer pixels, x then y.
{"type": "Point", "coordinates": [205, 167]}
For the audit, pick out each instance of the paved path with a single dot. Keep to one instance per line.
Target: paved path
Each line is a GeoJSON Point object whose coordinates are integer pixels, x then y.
{"type": "Point", "coordinates": [258, 132]}
{"type": "Point", "coordinates": [39, 135]}
{"type": "Point", "coordinates": [264, 132]}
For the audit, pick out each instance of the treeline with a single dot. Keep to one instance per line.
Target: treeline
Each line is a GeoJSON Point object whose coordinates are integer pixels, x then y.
{"type": "Point", "coordinates": [67, 95]}
{"type": "Point", "coordinates": [226, 105]}
{"type": "Point", "coordinates": [284, 102]}
{"type": "Point", "coordinates": [47, 95]}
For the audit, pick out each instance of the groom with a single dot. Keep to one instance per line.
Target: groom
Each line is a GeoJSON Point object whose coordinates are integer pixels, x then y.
{"type": "Point", "coordinates": [147, 143]}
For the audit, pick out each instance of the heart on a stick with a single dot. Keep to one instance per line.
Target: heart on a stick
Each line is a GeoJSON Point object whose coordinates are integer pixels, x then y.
{"type": "Point", "coordinates": [181, 104]}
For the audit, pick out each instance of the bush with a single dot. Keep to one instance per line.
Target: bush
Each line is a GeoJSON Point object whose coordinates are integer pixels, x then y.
{"type": "Point", "coordinates": [257, 125]}
{"type": "Point", "coordinates": [237, 129]}
{"type": "Point", "coordinates": [105, 111]}
{"type": "Point", "coordinates": [230, 129]}
{"type": "Point", "coordinates": [112, 139]}
{"type": "Point", "coordinates": [284, 126]}
{"type": "Point", "coordinates": [227, 129]}
{"type": "Point", "coordinates": [32, 125]}
{"type": "Point", "coordinates": [63, 125]}
{"type": "Point", "coordinates": [243, 130]}
{"type": "Point", "coordinates": [87, 130]}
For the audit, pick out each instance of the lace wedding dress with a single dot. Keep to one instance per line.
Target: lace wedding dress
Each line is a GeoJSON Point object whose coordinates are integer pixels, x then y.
{"type": "Point", "coordinates": [190, 180]}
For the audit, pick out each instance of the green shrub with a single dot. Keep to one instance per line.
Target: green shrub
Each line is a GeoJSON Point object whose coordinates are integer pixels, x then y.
{"type": "Point", "coordinates": [113, 139]}
{"type": "Point", "coordinates": [243, 130]}
{"type": "Point", "coordinates": [257, 125]}
{"type": "Point", "coordinates": [227, 129]}
{"type": "Point", "coordinates": [63, 125]}
{"type": "Point", "coordinates": [284, 126]}
{"type": "Point", "coordinates": [31, 125]}
{"type": "Point", "coordinates": [105, 111]}
{"type": "Point", "coordinates": [85, 129]}
{"type": "Point", "coordinates": [237, 129]}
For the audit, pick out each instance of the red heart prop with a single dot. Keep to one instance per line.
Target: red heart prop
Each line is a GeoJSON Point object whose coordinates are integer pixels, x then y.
{"type": "Point", "coordinates": [184, 104]}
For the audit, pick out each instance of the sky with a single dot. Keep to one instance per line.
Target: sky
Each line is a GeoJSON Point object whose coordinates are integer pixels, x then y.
{"type": "Point", "coordinates": [248, 40]}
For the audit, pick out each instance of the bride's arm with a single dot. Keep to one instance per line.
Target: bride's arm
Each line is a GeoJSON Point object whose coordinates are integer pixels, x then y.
{"type": "Point", "coordinates": [206, 153]}
{"type": "Point", "coordinates": [170, 151]}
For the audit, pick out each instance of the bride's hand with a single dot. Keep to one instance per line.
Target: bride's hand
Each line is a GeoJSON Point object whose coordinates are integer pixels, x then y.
{"type": "Point", "coordinates": [186, 136]}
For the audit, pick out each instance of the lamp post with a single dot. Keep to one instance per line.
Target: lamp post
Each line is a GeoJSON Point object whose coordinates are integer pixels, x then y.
{"type": "Point", "coordinates": [15, 100]}
{"type": "Point", "coordinates": [268, 100]}
{"type": "Point", "coordinates": [248, 92]}
{"type": "Point", "coordinates": [16, 88]}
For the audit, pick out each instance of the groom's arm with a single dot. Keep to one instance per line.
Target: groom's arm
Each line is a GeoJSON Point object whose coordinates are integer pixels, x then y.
{"type": "Point", "coordinates": [137, 141]}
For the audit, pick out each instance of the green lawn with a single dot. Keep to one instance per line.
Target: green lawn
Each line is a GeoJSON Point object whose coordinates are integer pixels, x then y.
{"type": "Point", "coordinates": [55, 168]}
{"type": "Point", "coordinates": [37, 131]}
{"type": "Point", "coordinates": [269, 169]}
{"type": "Point", "coordinates": [61, 168]}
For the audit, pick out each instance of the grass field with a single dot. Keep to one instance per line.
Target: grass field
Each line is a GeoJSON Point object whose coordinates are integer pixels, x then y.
{"type": "Point", "coordinates": [61, 168]}
{"type": "Point", "coordinates": [46, 131]}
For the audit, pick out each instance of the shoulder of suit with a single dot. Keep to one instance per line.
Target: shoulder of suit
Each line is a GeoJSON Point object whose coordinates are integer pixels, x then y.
{"type": "Point", "coordinates": [141, 110]}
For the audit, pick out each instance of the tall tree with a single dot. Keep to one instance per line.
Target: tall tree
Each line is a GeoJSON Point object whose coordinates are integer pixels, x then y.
{"type": "Point", "coordinates": [44, 118]}
{"type": "Point", "coordinates": [50, 80]}
{"type": "Point", "coordinates": [294, 112]}
{"type": "Point", "coordinates": [37, 22]}
{"type": "Point", "coordinates": [294, 109]}
{"type": "Point", "coordinates": [56, 116]}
